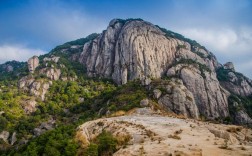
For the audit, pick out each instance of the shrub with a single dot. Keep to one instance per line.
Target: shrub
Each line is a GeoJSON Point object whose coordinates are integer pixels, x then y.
{"type": "Point", "coordinates": [92, 150]}
{"type": "Point", "coordinates": [106, 144]}
{"type": "Point", "coordinates": [174, 137]}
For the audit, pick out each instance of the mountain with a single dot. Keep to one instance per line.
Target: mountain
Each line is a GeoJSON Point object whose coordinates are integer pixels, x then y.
{"type": "Point", "coordinates": [131, 64]}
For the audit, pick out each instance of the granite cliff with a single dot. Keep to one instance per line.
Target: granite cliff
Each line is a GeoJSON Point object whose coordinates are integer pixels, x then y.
{"type": "Point", "coordinates": [135, 49]}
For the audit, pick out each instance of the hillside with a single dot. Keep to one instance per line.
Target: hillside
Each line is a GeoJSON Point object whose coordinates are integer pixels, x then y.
{"type": "Point", "coordinates": [132, 64]}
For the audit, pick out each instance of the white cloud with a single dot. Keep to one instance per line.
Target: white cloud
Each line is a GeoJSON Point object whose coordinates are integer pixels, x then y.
{"type": "Point", "coordinates": [226, 41]}
{"type": "Point", "coordinates": [58, 25]}
{"type": "Point", "coordinates": [17, 52]}
{"type": "Point", "coordinates": [227, 44]}
{"type": "Point", "coordinates": [245, 67]}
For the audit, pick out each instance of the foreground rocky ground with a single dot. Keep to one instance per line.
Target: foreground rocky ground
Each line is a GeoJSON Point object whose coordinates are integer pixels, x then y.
{"type": "Point", "coordinates": [151, 134]}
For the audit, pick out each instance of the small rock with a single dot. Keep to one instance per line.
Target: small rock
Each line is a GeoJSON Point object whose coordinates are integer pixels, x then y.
{"type": "Point", "coordinates": [144, 103]}
{"type": "Point", "coordinates": [171, 72]}
{"type": "Point", "coordinates": [81, 99]}
{"type": "Point", "coordinates": [157, 93]}
{"type": "Point", "coordinates": [13, 138]}
{"type": "Point", "coordinates": [37, 131]}
{"type": "Point", "coordinates": [2, 112]}
{"type": "Point", "coordinates": [4, 135]}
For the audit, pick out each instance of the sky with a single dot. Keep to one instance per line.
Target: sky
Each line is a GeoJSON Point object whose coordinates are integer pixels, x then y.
{"type": "Point", "coordinates": [34, 27]}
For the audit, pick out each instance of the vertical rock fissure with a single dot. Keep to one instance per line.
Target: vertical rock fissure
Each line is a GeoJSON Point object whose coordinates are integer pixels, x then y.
{"type": "Point", "coordinates": [208, 99]}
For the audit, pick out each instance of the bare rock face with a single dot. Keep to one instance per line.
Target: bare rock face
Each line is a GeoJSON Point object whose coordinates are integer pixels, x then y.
{"type": "Point", "coordinates": [176, 98]}
{"type": "Point", "coordinates": [133, 50]}
{"type": "Point", "coordinates": [241, 117]}
{"type": "Point", "coordinates": [210, 97]}
{"type": "Point", "coordinates": [33, 63]}
{"type": "Point", "coordinates": [37, 88]}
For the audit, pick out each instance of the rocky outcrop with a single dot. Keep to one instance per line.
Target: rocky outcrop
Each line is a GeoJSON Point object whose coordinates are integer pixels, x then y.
{"type": "Point", "coordinates": [233, 81]}
{"type": "Point", "coordinates": [54, 59]}
{"type": "Point", "coordinates": [229, 65]}
{"type": "Point", "coordinates": [37, 88]}
{"type": "Point", "coordinates": [210, 97]}
{"type": "Point", "coordinates": [241, 117]}
{"type": "Point", "coordinates": [175, 98]}
{"type": "Point", "coordinates": [238, 84]}
{"type": "Point", "coordinates": [134, 50]}
{"type": "Point", "coordinates": [25, 82]}
{"type": "Point", "coordinates": [45, 126]}
{"type": "Point", "coordinates": [33, 63]}
{"type": "Point", "coordinates": [51, 73]}
{"type": "Point", "coordinates": [29, 106]}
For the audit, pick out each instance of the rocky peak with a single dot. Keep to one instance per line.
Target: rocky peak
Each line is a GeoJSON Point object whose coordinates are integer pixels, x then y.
{"type": "Point", "coordinates": [229, 65]}
{"type": "Point", "coordinates": [136, 49]}
{"type": "Point", "coordinates": [33, 63]}
{"type": "Point", "coordinates": [128, 50]}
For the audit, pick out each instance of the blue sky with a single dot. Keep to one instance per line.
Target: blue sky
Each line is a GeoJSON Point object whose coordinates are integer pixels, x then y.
{"type": "Point", "coordinates": [33, 27]}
